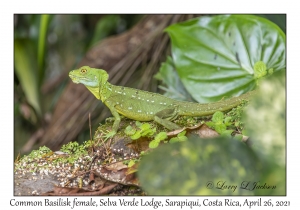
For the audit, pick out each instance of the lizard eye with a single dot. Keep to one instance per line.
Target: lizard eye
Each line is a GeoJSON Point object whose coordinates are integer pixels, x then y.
{"type": "Point", "coordinates": [83, 71]}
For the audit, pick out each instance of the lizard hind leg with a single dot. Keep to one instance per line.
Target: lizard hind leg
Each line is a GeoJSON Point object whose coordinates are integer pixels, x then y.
{"type": "Point", "coordinates": [163, 117]}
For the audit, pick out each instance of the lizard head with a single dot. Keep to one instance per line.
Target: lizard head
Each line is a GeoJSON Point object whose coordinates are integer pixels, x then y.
{"type": "Point", "coordinates": [89, 77]}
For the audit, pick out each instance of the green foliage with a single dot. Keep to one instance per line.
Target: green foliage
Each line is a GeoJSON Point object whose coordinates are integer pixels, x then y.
{"type": "Point", "coordinates": [226, 124]}
{"type": "Point", "coordinates": [138, 123]}
{"type": "Point", "coordinates": [29, 54]}
{"type": "Point", "coordinates": [238, 137]}
{"type": "Point", "coordinates": [218, 118]}
{"type": "Point", "coordinates": [34, 156]}
{"type": "Point", "coordinates": [73, 148]}
{"type": "Point", "coordinates": [190, 167]}
{"type": "Point", "coordinates": [75, 151]}
{"type": "Point", "coordinates": [105, 27]}
{"type": "Point", "coordinates": [136, 136]}
{"type": "Point", "coordinates": [158, 138]}
{"type": "Point", "coordinates": [270, 71]}
{"type": "Point", "coordinates": [186, 121]}
{"type": "Point", "coordinates": [44, 24]}
{"type": "Point", "coordinates": [88, 144]}
{"type": "Point", "coordinates": [144, 130]}
{"type": "Point", "coordinates": [235, 116]}
{"type": "Point", "coordinates": [179, 138]}
{"type": "Point", "coordinates": [278, 19]}
{"type": "Point", "coordinates": [222, 56]}
{"type": "Point", "coordinates": [161, 136]}
{"type": "Point", "coordinates": [220, 123]}
{"type": "Point", "coordinates": [72, 152]}
{"type": "Point", "coordinates": [129, 131]}
{"type": "Point", "coordinates": [215, 56]}
{"type": "Point", "coordinates": [39, 153]}
{"type": "Point", "coordinates": [153, 144]}
{"type": "Point", "coordinates": [260, 69]}
{"type": "Point", "coordinates": [26, 70]}
{"type": "Point", "coordinates": [131, 163]}
{"type": "Point", "coordinates": [44, 50]}
{"type": "Point", "coordinates": [168, 75]}
{"type": "Point", "coordinates": [265, 118]}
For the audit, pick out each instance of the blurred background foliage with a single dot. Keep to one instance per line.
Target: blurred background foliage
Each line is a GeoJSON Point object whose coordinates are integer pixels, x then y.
{"type": "Point", "coordinates": [218, 55]}
{"type": "Point", "coordinates": [226, 166]}
{"type": "Point", "coordinates": [47, 47]}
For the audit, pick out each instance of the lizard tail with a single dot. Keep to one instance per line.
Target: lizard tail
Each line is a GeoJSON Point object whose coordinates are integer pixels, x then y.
{"type": "Point", "coordinates": [195, 109]}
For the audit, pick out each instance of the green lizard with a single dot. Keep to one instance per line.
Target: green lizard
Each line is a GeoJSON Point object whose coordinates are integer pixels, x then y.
{"type": "Point", "coordinates": [142, 105]}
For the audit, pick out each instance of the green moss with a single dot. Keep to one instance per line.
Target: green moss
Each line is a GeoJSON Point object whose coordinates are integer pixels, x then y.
{"type": "Point", "coordinates": [225, 124]}
{"type": "Point", "coordinates": [236, 116]}
{"type": "Point", "coordinates": [71, 152]}
{"type": "Point", "coordinates": [29, 161]}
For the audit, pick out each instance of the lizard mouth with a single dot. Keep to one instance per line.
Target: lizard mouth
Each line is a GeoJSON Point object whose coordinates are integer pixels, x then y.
{"type": "Point", "coordinates": [74, 78]}
{"type": "Point", "coordinates": [77, 79]}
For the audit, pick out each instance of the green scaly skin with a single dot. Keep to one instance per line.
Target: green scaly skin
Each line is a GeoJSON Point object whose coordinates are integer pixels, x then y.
{"type": "Point", "coordinates": [142, 105]}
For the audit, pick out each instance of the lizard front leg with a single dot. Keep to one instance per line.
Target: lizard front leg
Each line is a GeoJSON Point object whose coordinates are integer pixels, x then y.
{"type": "Point", "coordinates": [117, 121]}
{"type": "Point", "coordinates": [163, 117]}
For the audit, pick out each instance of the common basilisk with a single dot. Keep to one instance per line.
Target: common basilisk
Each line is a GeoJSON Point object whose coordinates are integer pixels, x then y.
{"type": "Point", "coordinates": [142, 105]}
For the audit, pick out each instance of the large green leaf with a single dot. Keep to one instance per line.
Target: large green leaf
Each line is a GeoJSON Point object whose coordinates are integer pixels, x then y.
{"type": "Point", "coordinates": [175, 88]}
{"type": "Point", "coordinates": [215, 56]}
{"type": "Point", "coordinates": [44, 23]}
{"type": "Point", "coordinates": [26, 70]}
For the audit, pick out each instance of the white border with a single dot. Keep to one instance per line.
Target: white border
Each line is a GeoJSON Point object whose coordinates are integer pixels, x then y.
{"type": "Point", "coordinates": [189, 6]}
